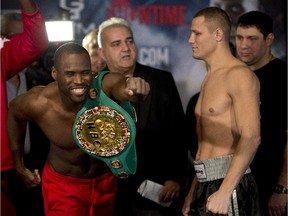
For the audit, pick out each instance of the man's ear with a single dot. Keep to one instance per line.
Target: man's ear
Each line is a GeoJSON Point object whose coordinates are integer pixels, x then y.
{"type": "Point", "coordinates": [219, 34]}
{"type": "Point", "coordinates": [101, 53]}
{"type": "Point", "coordinates": [270, 39]}
{"type": "Point", "coordinates": [54, 73]}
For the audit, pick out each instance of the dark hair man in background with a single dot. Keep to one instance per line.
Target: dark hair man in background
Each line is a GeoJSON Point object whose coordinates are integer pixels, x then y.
{"type": "Point", "coordinates": [254, 38]}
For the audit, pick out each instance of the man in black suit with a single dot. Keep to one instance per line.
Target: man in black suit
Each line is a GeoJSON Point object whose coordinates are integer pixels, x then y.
{"type": "Point", "coordinates": [160, 136]}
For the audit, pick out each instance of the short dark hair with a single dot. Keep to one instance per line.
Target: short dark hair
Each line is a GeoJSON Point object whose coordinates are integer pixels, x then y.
{"type": "Point", "coordinates": [215, 17]}
{"type": "Point", "coordinates": [262, 21]}
{"type": "Point", "coordinates": [70, 48]}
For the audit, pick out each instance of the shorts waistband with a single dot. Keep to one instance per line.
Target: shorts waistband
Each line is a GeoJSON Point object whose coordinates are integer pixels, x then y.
{"type": "Point", "coordinates": [214, 168]}
{"type": "Point", "coordinates": [49, 171]}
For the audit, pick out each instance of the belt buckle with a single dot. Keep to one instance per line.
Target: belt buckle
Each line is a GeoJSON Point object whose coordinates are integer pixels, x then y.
{"type": "Point", "coordinates": [200, 171]}
{"type": "Point", "coordinates": [104, 133]}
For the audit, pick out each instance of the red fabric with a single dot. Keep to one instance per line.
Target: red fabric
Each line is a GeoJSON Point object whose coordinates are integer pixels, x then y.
{"type": "Point", "coordinates": [67, 195]}
{"type": "Point", "coordinates": [16, 54]}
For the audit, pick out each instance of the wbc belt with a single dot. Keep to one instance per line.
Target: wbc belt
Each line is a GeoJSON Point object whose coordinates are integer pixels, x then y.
{"type": "Point", "coordinates": [107, 131]}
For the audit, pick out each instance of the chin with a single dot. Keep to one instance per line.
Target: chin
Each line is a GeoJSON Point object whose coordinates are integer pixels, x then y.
{"type": "Point", "coordinates": [79, 99]}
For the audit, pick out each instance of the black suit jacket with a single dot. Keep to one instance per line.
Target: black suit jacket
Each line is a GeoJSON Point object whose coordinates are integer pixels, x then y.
{"type": "Point", "coordinates": [160, 138]}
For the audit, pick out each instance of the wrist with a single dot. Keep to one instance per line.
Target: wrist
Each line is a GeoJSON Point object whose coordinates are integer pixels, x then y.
{"type": "Point", "coordinates": [280, 189]}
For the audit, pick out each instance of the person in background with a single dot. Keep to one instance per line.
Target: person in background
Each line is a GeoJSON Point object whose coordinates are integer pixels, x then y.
{"type": "Point", "coordinates": [27, 201]}
{"type": "Point", "coordinates": [254, 38]}
{"type": "Point", "coordinates": [235, 8]}
{"type": "Point", "coordinates": [90, 43]}
{"type": "Point", "coordinates": [160, 138]}
{"type": "Point", "coordinates": [17, 52]}
{"type": "Point", "coordinates": [228, 131]}
{"type": "Point", "coordinates": [73, 182]}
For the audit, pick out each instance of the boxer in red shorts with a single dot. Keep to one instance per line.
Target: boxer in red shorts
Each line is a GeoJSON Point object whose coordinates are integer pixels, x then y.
{"type": "Point", "coordinates": [74, 183]}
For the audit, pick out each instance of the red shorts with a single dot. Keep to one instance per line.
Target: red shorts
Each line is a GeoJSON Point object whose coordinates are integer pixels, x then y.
{"type": "Point", "coordinates": [66, 195]}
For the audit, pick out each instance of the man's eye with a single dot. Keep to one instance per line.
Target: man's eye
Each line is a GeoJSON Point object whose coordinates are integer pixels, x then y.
{"type": "Point", "coordinates": [239, 37]}
{"type": "Point", "coordinates": [86, 72]}
{"type": "Point", "coordinates": [131, 41]}
{"type": "Point", "coordinates": [69, 74]}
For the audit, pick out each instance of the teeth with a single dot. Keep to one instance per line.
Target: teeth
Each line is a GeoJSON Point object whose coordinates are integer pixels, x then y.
{"type": "Point", "coordinates": [78, 90]}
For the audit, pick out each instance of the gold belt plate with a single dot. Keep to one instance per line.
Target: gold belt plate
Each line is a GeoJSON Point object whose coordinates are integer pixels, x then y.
{"type": "Point", "coordinates": [102, 131]}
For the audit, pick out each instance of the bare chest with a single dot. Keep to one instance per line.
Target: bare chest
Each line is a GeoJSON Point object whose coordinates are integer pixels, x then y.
{"type": "Point", "coordinates": [58, 128]}
{"type": "Point", "coordinates": [214, 99]}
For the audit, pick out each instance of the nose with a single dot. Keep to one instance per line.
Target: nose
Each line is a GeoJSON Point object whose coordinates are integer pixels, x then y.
{"type": "Point", "coordinates": [78, 78]}
{"type": "Point", "coordinates": [191, 39]}
{"type": "Point", "coordinates": [244, 43]}
{"type": "Point", "coordinates": [126, 46]}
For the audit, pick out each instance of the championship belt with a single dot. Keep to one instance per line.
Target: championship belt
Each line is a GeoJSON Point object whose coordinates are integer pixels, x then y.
{"type": "Point", "coordinates": [107, 131]}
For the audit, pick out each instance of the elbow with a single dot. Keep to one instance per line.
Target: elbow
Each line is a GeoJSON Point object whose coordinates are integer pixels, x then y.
{"type": "Point", "coordinates": [256, 140]}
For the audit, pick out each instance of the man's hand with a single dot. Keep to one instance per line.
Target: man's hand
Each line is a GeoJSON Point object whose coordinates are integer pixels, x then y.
{"type": "Point", "coordinates": [170, 191]}
{"type": "Point", "coordinates": [277, 204]}
{"type": "Point", "coordinates": [117, 86]}
{"type": "Point", "coordinates": [28, 6]}
{"type": "Point", "coordinates": [136, 86]}
{"type": "Point", "coordinates": [30, 179]}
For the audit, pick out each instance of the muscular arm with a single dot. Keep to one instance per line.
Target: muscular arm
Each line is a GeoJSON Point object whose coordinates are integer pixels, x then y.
{"type": "Point", "coordinates": [188, 198]}
{"type": "Point", "coordinates": [19, 113]}
{"type": "Point", "coordinates": [246, 118]}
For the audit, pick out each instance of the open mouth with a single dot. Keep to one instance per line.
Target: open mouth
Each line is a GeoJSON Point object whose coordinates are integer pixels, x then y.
{"type": "Point", "coordinates": [79, 91]}
{"type": "Point", "coordinates": [126, 57]}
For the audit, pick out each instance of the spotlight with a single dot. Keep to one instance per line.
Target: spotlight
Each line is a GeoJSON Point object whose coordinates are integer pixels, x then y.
{"type": "Point", "coordinates": [59, 31]}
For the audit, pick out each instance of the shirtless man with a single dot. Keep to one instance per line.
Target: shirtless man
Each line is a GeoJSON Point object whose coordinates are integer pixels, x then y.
{"type": "Point", "coordinates": [78, 184]}
{"type": "Point", "coordinates": [228, 123]}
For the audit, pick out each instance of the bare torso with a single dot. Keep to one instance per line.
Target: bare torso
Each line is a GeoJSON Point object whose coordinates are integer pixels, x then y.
{"type": "Point", "coordinates": [216, 124]}
{"type": "Point", "coordinates": [65, 156]}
